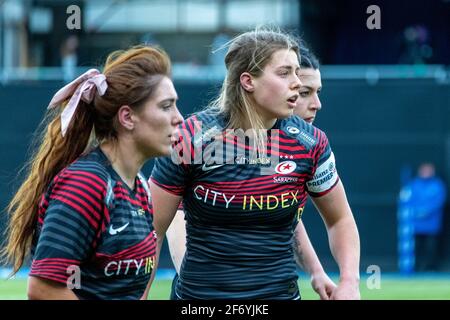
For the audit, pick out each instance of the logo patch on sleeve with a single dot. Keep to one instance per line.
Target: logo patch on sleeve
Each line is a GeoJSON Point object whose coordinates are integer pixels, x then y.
{"type": "Point", "coordinates": [325, 176]}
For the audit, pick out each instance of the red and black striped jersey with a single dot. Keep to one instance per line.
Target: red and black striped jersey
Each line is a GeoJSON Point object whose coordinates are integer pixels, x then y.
{"type": "Point", "coordinates": [94, 233]}
{"type": "Point", "coordinates": [241, 209]}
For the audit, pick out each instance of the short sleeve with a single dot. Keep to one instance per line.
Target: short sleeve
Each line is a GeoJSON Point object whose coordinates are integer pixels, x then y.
{"type": "Point", "coordinates": [71, 224]}
{"type": "Point", "coordinates": [325, 176]}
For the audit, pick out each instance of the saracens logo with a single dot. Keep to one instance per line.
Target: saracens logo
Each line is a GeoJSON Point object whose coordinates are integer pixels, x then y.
{"type": "Point", "coordinates": [285, 167]}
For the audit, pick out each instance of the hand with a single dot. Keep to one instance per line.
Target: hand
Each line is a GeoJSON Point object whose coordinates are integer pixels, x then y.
{"type": "Point", "coordinates": [346, 290]}
{"type": "Point", "coordinates": [323, 285]}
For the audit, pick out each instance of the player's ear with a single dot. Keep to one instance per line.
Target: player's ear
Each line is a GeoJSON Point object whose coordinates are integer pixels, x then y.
{"type": "Point", "coordinates": [125, 117]}
{"type": "Point", "coordinates": [247, 82]}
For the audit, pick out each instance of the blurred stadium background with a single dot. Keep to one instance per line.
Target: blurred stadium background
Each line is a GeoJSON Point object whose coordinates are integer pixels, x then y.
{"type": "Point", "coordinates": [386, 99]}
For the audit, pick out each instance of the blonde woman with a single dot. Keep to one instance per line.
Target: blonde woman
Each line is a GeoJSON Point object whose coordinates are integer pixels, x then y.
{"type": "Point", "coordinates": [242, 210]}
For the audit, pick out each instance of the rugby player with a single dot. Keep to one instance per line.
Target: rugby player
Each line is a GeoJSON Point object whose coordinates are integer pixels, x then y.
{"type": "Point", "coordinates": [240, 219]}
{"type": "Point", "coordinates": [84, 210]}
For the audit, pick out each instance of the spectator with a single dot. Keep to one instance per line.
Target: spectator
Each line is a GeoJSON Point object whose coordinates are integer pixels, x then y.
{"type": "Point", "coordinates": [427, 194]}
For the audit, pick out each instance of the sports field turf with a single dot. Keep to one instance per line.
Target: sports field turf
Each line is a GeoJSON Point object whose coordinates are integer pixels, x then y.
{"type": "Point", "coordinates": [392, 288]}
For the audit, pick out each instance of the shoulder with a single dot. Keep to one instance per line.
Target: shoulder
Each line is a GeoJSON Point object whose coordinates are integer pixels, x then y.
{"type": "Point", "coordinates": [205, 115]}
{"type": "Point", "coordinates": [79, 190]}
{"type": "Point", "coordinates": [306, 134]}
{"type": "Point", "coordinates": [199, 127]}
{"type": "Point", "coordinates": [415, 183]}
{"type": "Point", "coordinates": [440, 183]}
{"type": "Point", "coordinates": [89, 170]}
{"type": "Point", "coordinates": [203, 120]}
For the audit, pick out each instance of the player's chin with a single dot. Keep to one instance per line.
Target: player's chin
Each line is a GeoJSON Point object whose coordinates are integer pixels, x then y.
{"type": "Point", "coordinates": [285, 113]}
{"type": "Point", "coordinates": [162, 150]}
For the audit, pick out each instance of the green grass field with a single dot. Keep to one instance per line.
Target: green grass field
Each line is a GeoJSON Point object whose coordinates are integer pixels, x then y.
{"type": "Point", "coordinates": [392, 288]}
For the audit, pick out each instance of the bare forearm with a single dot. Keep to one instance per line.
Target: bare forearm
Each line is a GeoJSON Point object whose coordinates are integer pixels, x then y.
{"type": "Point", "coordinates": [345, 247]}
{"type": "Point", "coordinates": [307, 259]}
{"type": "Point", "coordinates": [43, 289]}
{"type": "Point", "coordinates": [155, 267]}
{"type": "Point", "coordinates": [344, 240]}
{"type": "Point", "coordinates": [176, 239]}
{"type": "Point", "coordinates": [304, 252]}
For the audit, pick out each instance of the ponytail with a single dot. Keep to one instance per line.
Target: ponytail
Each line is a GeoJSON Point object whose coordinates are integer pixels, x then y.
{"type": "Point", "coordinates": [53, 154]}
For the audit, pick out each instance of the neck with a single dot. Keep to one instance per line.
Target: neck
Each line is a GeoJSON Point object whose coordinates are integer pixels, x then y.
{"type": "Point", "coordinates": [267, 123]}
{"type": "Point", "coordinates": [267, 119]}
{"type": "Point", "coordinates": [124, 158]}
